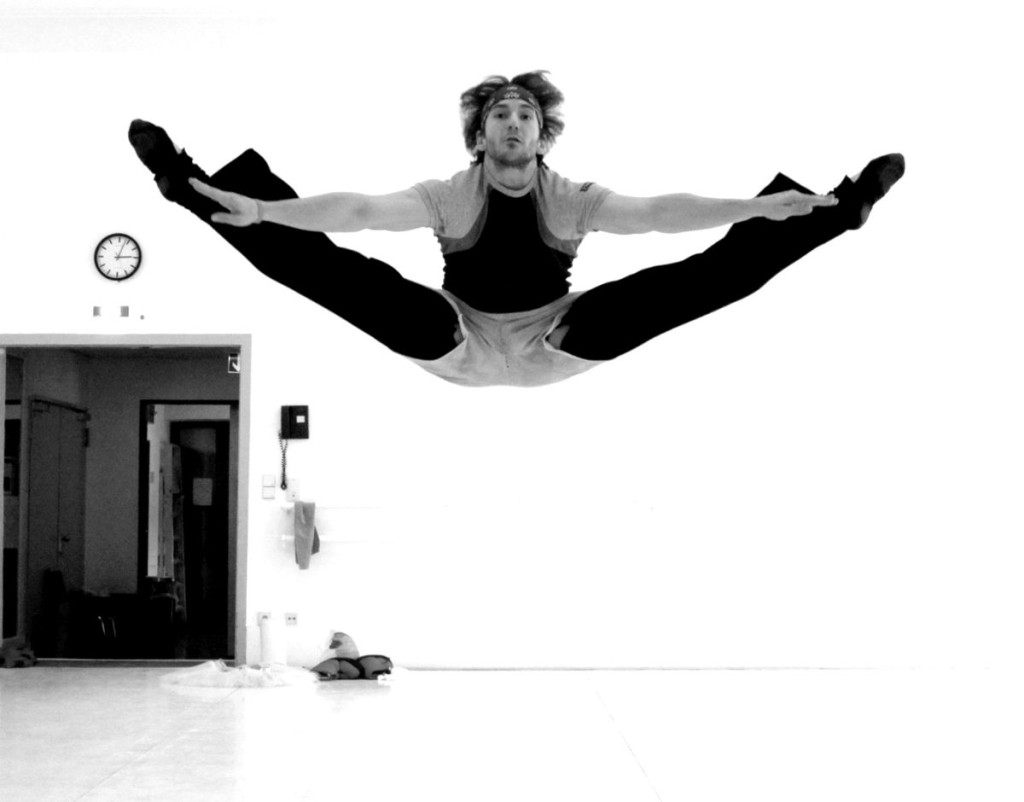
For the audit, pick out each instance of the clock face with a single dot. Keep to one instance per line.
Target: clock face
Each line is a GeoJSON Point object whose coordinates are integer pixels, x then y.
{"type": "Point", "coordinates": [118, 257]}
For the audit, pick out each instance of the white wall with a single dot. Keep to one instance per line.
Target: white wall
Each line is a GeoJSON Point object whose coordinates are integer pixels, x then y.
{"type": "Point", "coordinates": [823, 474]}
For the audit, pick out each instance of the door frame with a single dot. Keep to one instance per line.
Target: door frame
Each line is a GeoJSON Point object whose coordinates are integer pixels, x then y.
{"type": "Point", "coordinates": [242, 343]}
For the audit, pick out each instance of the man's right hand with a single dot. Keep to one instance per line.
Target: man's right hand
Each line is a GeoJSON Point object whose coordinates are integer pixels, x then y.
{"type": "Point", "coordinates": [241, 211]}
{"type": "Point", "coordinates": [792, 203]}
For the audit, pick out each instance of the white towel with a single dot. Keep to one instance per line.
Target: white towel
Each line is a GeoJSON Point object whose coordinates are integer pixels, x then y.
{"type": "Point", "coordinates": [307, 540]}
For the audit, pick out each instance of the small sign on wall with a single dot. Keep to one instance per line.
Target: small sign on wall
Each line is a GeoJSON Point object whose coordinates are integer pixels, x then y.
{"type": "Point", "coordinates": [202, 492]}
{"type": "Point", "coordinates": [234, 363]}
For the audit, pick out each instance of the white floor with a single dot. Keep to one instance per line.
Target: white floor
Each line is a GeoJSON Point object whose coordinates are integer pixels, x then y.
{"type": "Point", "coordinates": [118, 734]}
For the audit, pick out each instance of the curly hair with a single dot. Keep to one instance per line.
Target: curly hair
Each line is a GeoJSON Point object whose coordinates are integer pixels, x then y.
{"type": "Point", "coordinates": [475, 98]}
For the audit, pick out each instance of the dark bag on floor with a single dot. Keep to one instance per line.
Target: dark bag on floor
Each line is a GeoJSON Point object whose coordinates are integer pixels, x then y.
{"type": "Point", "coordinates": [369, 666]}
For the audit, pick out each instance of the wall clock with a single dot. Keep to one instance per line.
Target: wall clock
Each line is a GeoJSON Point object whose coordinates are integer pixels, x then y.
{"type": "Point", "coordinates": [118, 257]}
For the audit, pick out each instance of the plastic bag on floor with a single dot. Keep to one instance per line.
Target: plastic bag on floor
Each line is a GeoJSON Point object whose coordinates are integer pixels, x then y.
{"type": "Point", "coordinates": [215, 674]}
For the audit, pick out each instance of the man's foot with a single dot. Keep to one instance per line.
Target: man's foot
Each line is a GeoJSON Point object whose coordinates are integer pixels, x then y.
{"type": "Point", "coordinates": [170, 166]}
{"type": "Point", "coordinates": [870, 185]}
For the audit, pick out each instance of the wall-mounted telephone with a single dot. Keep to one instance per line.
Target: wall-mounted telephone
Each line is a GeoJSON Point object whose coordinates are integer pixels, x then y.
{"type": "Point", "coordinates": [294, 423]}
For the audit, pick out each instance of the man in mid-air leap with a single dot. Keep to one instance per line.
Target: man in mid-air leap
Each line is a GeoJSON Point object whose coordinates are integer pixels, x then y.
{"type": "Point", "coordinates": [509, 228]}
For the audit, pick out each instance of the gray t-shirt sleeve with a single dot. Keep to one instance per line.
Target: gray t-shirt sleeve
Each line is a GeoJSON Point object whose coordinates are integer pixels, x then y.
{"type": "Point", "coordinates": [572, 205]}
{"type": "Point", "coordinates": [589, 198]}
{"type": "Point", "coordinates": [436, 197]}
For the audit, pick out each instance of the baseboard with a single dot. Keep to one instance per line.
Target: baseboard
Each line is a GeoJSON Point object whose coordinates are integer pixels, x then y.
{"type": "Point", "coordinates": [66, 662]}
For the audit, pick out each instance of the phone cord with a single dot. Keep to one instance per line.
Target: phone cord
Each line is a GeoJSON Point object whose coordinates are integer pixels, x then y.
{"type": "Point", "coordinates": [284, 461]}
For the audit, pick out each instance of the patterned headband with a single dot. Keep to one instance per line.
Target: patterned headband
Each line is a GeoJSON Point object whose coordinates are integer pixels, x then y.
{"type": "Point", "coordinates": [512, 92]}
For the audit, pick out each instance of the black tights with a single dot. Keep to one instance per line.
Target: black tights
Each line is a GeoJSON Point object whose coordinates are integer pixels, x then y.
{"type": "Point", "coordinates": [407, 317]}
{"type": "Point", "coordinates": [616, 317]}
{"type": "Point", "coordinates": [603, 323]}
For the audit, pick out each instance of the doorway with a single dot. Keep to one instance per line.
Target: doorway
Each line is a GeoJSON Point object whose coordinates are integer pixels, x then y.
{"type": "Point", "coordinates": [93, 378]}
{"type": "Point", "coordinates": [187, 526]}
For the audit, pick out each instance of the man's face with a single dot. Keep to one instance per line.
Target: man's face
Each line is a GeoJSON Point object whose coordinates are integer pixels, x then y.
{"type": "Point", "coordinates": [511, 135]}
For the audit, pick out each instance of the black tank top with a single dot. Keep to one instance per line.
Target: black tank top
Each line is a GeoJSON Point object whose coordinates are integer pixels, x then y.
{"type": "Point", "coordinates": [509, 268]}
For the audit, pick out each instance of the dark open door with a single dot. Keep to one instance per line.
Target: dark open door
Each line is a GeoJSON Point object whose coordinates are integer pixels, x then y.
{"type": "Point", "coordinates": [204, 472]}
{"type": "Point", "coordinates": [56, 521]}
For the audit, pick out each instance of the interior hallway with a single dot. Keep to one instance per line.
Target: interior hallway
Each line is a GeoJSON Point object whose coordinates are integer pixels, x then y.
{"type": "Point", "coordinates": [116, 733]}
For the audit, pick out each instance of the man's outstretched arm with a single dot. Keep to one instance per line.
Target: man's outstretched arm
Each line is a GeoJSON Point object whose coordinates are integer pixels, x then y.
{"type": "Point", "coordinates": [671, 214]}
{"type": "Point", "coordinates": [337, 211]}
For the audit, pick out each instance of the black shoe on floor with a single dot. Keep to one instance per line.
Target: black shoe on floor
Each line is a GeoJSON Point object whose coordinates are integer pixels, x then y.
{"type": "Point", "coordinates": [874, 181]}
{"type": "Point", "coordinates": [170, 169]}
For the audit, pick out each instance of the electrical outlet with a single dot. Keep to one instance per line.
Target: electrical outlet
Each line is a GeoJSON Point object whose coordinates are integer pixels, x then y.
{"type": "Point", "coordinates": [292, 493]}
{"type": "Point", "coordinates": [291, 619]}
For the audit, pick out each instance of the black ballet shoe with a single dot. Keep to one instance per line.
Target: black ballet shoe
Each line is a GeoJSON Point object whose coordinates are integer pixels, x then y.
{"type": "Point", "coordinates": [874, 181]}
{"type": "Point", "coordinates": [171, 169]}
